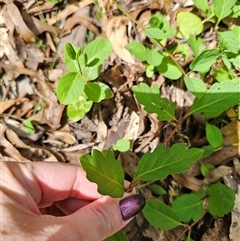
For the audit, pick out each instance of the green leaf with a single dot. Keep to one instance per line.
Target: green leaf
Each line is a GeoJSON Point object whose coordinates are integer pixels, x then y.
{"type": "Point", "coordinates": [99, 49]}
{"type": "Point", "coordinates": [153, 57]}
{"type": "Point", "coordinates": [153, 103]}
{"type": "Point", "coordinates": [229, 41]}
{"type": "Point", "coordinates": [204, 61]}
{"type": "Point", "coordinates": [196, 44]}
{"type": "Point", "coordinates": [136, 49]}
{"type": "Point", "coordinates": [206, 168]}
{"type": "Point", "coordinates": [122, 145]}
{"type": "Point", "coordinates": [214, 135]}
{"type": "Point", "coordinates": [221, 199]}
{"type": "Point", "coordinates": [159, 34]}
{"type": "Point", "coordinates": [91, 73]}
{"type": "Point", "coordinates": [70, 51]}
{"type": "Point", "coordinates": [71, 63]}
{"type": "Point", "coordinates": [103, 169]}
{"type": "Point", "coordinates": [217, 98]}
{"type": "Point", "coordinates": [201, 4]}
{"type": "Point", "coordinates": [169, 69]}
{"type": "Point", "coordinates": [157, 189]}
{"type": "Point", "coordinates": [70, 87]}
{"type": "Point", "coordinates": [208, 150]}
{"type": "Point", "coordinates": [94, 92]}
{"type": "Point", "coordinates": [28, 126]}
{"type": "Point", "coordinates": [236, 61]}
{"type": "Point", "coordinates": [119, 236]}
{"type": "Point", "coordinates": [221, 74]}
{"type": "Point", "coordinates": [160, 215]}
{"type": "Point", "coordinates": [77, 110]}
{"type": "Point", "coordinates": [188, 207]}
{"type": "Point", "coordinates": [188, 23]}
{"type": "Point", "coordinates": [149, 71]}
{"type": "Point", "coordinates": [223, 8]}
{"type": "Point", "coordinates": [196, 86]}
{"type": "Point", "coordinates": [160, 163]}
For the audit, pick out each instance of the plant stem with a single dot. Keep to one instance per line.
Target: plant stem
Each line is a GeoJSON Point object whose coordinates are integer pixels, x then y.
{"type": "Point", "coordinates": [177, 126]}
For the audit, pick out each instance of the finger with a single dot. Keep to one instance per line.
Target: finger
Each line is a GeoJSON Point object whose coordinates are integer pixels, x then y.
{"type": "Point", "coordinates": [71, 205]}
{"type": "Point", "coordinates": [50, 182]}
{"type": "Point", "coordinates": [103, 217]}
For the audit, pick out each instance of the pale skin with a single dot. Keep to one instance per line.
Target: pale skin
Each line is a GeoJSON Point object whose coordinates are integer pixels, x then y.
{"type": "Point", "coordinates": [53, 201]}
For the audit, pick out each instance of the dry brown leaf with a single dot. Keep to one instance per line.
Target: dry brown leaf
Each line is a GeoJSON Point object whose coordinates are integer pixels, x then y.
{"type": "Point", "coordinates": [78, 18]}
{"type": "Point", "coordinates": [116, 33]}
{"type": "Point", "coordinates": [132, 131]}
{"type": "Point", "coordinates": [64, 137]}
{"type": "Point", "coordinates": [216, 174]}
{"type": "Point", "coordinates": [20, 25]}
{"type": "Point", "coordinates": [188, 181]}
{"type": "Point", "coordinates": [68, 10]}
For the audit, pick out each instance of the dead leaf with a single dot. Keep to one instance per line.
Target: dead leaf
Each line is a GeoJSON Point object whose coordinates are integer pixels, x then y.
{"type": "Point", "coordinates": [116, 33]}
{"type": "Point", "coordinates": [216, 174]}
{"type": "Point", "coordinates": [20, 25]}
{"type": "Point", "coordinates": [188, 181]}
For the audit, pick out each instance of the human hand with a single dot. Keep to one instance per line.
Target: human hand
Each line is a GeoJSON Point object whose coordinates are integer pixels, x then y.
{"type": "Point", "coordinates": [55, 201]}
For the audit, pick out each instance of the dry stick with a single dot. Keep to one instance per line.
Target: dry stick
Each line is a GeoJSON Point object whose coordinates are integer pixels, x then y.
{"type": "Point", "coordinates": [177, 126]}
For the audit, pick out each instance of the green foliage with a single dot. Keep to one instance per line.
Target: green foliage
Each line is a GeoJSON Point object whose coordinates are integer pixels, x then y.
{"type": "Point", "coordinates": [223, 8]}
{"type": "Point", "coordinates": [79, 89]}
{"type": "Point", "coordinates": [188, 207]}
{"type": "Point", "coordinates": [221, 199]}
{"type": "Point", "coordinates": [105, 170]}
{"type": "Point", "coordinates": [153, 103]}
{"type": "Point", "coordinates": [157, 189]}
{"type": "Point", "coordinates": [122, 145]}
{"type": "Point", "coordinates": [28, 126]}
{"type": "Point", "coordinates": [119, 236]}
{"type": "Point", "coordinates": [206, 168]}
{"type": "Point", "coordinates": [160, 215]}
{"type": "Point", "coordinates": [214, 136]}
{"type": "Point", "coordinates": [74, 88]}
{"type": "Point", "coordinates": [160, 163]}
{"type": "Point", "coordinates": [189, 24]}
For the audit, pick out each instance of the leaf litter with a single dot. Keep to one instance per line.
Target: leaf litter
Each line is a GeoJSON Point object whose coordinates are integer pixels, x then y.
{"type": "Point", "coordinates": [33, 35]}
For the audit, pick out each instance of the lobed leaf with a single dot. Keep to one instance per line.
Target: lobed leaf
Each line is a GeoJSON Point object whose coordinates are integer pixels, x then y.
{"type": "Point", "coordinates": [188, 207]}
{"type": "Point", "coordinates": [217, 98]}
{"type": "Point", "coordinates": [221, 199]}
{"type": "Point", "coordinates": [153, 103]}
{"type": "Point", "coordinates": [160, 163]}
{"type": "Point", "coordinates": [103, 169]}
{"type": "Point", "coordinates": [160, 215]}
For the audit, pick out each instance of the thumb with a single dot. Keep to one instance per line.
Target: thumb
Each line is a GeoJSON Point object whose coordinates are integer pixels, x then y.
{"type": "Point", "coordinates": [103, 217]}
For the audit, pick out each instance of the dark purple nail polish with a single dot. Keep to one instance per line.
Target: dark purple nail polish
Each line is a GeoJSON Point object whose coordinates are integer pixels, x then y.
{"type": "Point", "coordinates": [131, 205]}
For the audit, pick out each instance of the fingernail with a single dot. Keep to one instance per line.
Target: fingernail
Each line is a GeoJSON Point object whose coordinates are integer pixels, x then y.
{"type": "Point", "coordinates": [131, 205]}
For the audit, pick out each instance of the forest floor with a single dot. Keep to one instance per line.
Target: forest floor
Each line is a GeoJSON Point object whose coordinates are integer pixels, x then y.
{"type": "Point", "coordinates": [35, 127]}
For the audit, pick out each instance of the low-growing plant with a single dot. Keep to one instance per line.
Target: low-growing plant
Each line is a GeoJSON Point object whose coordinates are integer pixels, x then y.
{"type": "Point", "coordinates": [78, 90]}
